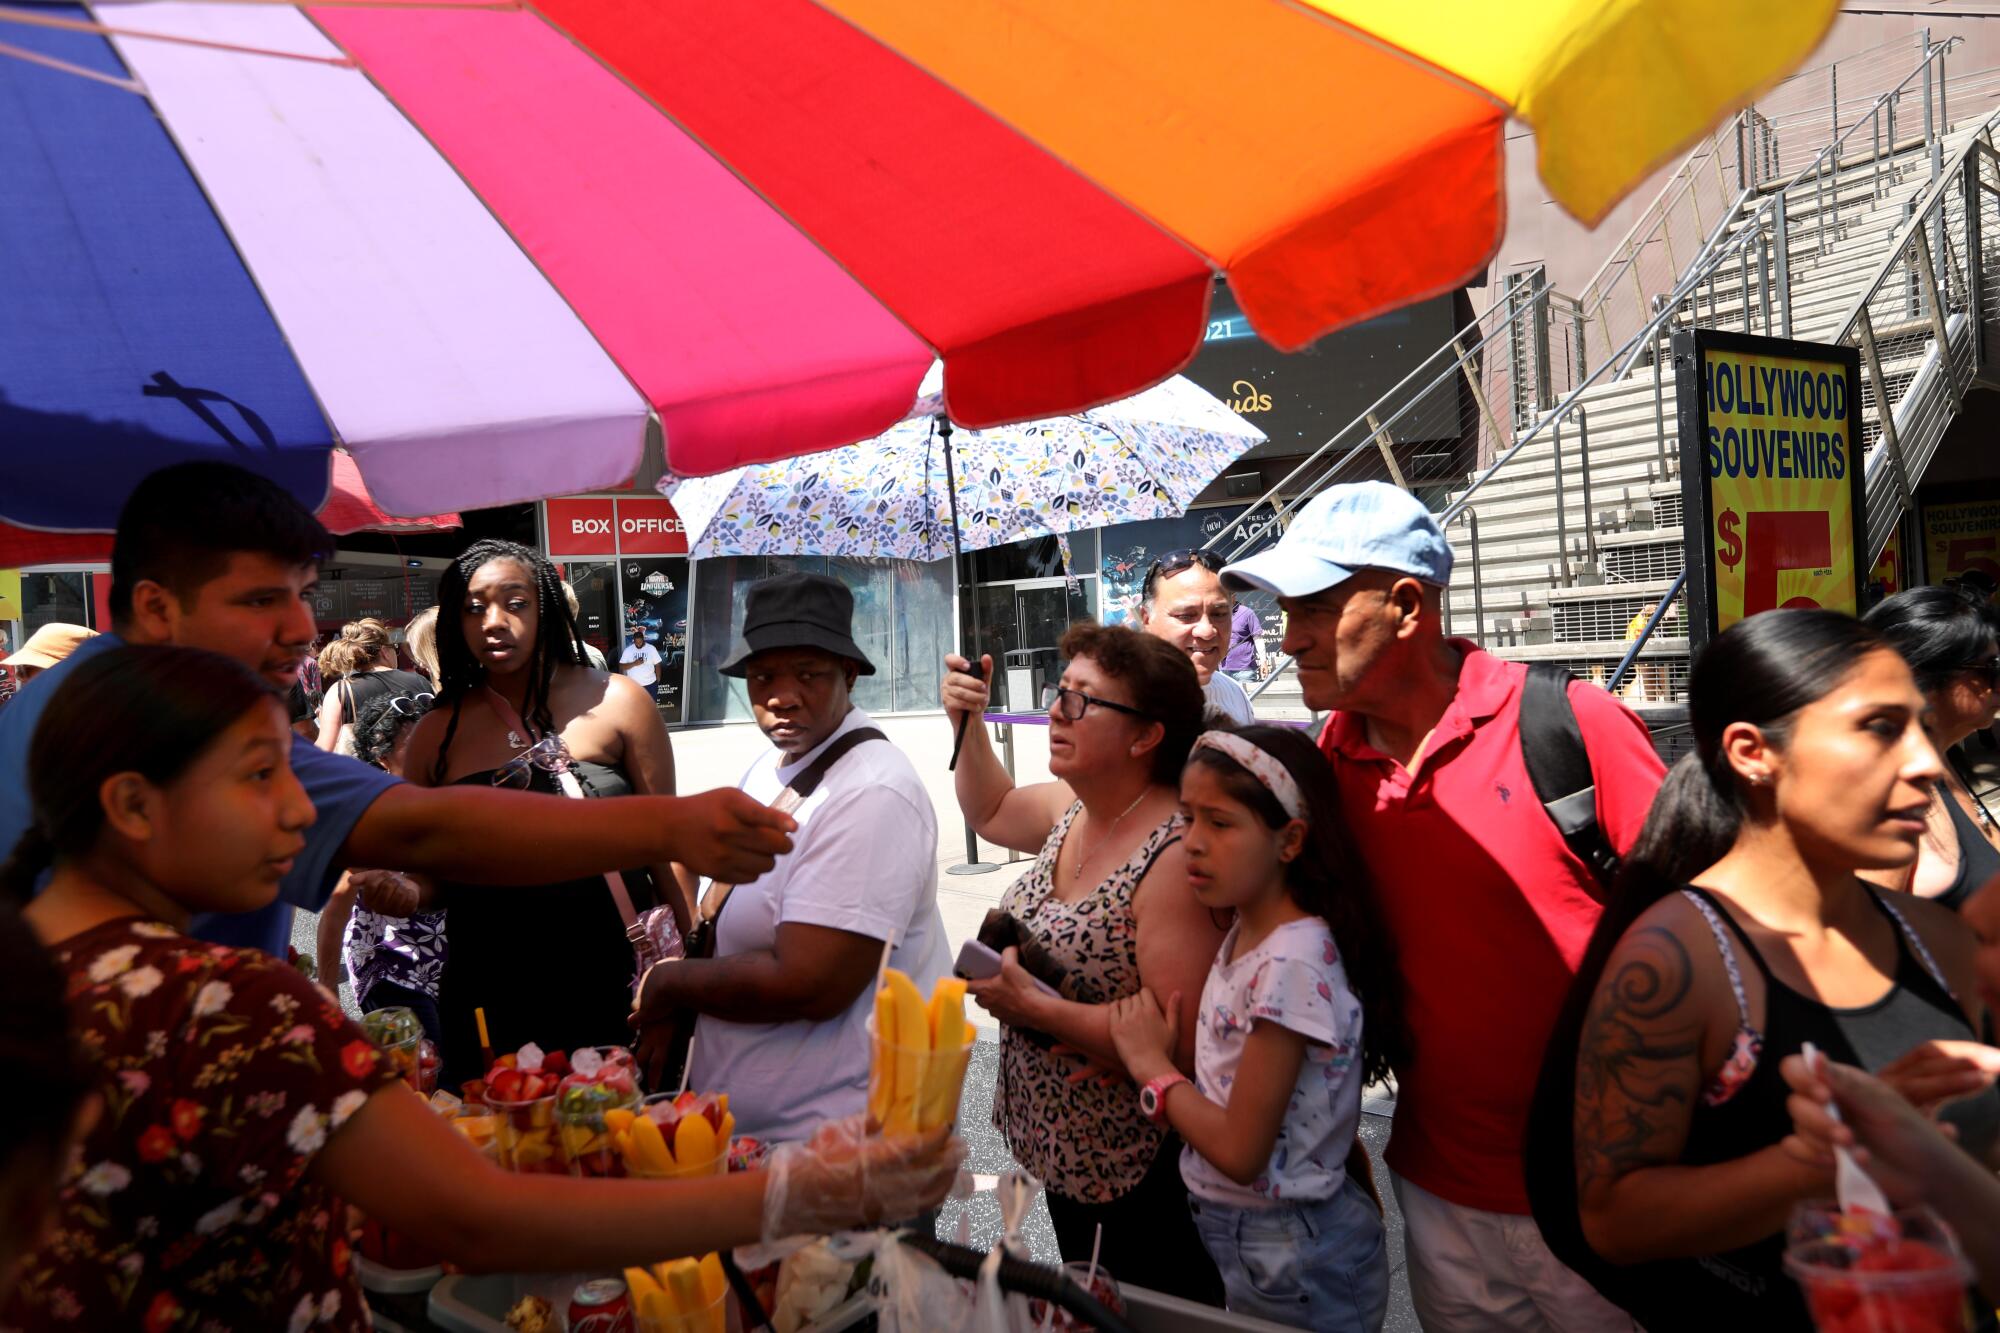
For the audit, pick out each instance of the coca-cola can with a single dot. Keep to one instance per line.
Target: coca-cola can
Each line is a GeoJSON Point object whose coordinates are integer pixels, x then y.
{"type": "Point", "coordinates": [601, 1305]}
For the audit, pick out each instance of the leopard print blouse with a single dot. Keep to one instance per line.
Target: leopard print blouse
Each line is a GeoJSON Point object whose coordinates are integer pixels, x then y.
{"type": "Point", "coordinates": [1084, 1141]}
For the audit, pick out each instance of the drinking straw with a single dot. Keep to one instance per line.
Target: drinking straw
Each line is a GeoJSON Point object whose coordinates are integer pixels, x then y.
{"type": "Point", "coordinates": [687, 1067]}
{"type": "Point", "coordinates": [1089, 1278]}
{"type": "Point", "coordinates": [485, 1042]}
{"type": "Point", "coordinates": [888, 947]}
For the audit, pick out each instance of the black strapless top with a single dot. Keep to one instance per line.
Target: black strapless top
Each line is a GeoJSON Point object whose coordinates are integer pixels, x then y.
{"type": "Point", "coordinates": [548, 963]}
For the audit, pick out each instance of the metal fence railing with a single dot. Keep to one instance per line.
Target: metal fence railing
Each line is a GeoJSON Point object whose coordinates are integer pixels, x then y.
{"type": "Point", "coordinates": [1919, 325]}
{"type": "Point", "coordinates": [1514, 370]}
{"type": "Point", "coordinates": [1515, 375]}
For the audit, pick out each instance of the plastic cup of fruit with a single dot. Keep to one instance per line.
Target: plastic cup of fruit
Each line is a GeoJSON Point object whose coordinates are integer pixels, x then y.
{"type": "Point", "coordinates": [587, 1146]}
{"type": "Point", "coordinates": [1100, 1284]}
{"type": "Point", "coordinates": [713, 1318]}
{"type": "Point", "coordinates": [937, 1075]}
{"type": "Point", "coordinates": [399, 1034]}
{"type": "Point", "coordinates": [525, 1137]}
{"type": "Point", "coordinates": [1904, 1274]}
{"type": "Point", "coordinates": [480, 1125]}
{"type": "Point", "coordinates": [714, 1166]}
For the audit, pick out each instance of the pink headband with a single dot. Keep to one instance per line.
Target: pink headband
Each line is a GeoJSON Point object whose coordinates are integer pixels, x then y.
{"type": "Point", "coordinates": [1262, 765]}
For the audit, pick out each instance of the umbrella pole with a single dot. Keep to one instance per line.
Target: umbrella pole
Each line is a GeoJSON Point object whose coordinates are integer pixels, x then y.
{"type": "Point", "coordinates": [972, 864]}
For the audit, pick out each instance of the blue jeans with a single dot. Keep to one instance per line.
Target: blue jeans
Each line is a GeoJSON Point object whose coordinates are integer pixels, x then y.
{"type": "Point", "coordinates": [1319, 1265]}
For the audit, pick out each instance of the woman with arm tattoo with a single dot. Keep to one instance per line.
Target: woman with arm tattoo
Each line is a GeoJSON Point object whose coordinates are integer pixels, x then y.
{"type": "Point", "coordinates": [1739, 931]}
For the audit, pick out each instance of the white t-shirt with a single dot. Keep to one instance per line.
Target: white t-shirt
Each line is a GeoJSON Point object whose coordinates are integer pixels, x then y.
{"type": "Point", "coordinates": [1294, 979]}
{"type": "Point", "coordinates": [864, 860]}
{"type": "Point", "coordinates": [1231, 698]}
{"type": "Point", "coordinates": [648, 658]}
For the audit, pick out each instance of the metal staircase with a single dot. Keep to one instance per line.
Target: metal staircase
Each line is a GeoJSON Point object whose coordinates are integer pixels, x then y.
{"type": "Point", "coordinates": [1848, 206]}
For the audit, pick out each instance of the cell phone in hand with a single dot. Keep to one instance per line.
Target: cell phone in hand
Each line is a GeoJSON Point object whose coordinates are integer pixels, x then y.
{"type": "Point", "coordinates": [976, 962]}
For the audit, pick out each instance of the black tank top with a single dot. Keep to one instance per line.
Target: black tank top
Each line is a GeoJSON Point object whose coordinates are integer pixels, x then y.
{"type": "Point", "coordinates": [362, 688]}
{"type": "Point", "coordinates": [1748, 1288]}
{"type": "Point", "coordinates": [1978, 860]}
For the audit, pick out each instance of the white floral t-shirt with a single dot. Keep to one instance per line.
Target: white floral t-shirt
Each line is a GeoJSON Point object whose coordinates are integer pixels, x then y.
{"type": "Point", "coordinates": [1294, 979]}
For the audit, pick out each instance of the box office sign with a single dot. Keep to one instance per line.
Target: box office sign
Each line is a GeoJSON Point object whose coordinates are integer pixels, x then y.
{"type": "Point", "coordinates": [602, 525]}
{"type": "Point", "coordinates": [1770, 475]}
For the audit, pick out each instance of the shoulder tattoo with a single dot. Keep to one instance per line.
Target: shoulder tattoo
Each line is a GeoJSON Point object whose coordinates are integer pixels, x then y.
{"type": "Point", "coordinates": [1638, 1063]}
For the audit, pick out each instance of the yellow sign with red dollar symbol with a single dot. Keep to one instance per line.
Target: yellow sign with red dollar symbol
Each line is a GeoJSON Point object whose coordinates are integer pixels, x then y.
{"type": "Point", "coordinates": [1886, 579]}
{"type": "Point", "coordinates": [1962, 538]}
{"type": "Point", "coordinates": [1779, 461]}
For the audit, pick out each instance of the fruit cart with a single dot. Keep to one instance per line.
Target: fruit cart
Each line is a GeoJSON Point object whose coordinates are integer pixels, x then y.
{"type": "Point", "coordinates": [478, 1305]}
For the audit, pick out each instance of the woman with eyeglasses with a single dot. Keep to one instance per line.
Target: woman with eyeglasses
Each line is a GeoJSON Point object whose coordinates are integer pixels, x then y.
{"type": "Point", "coordinates": [517, 706]}
{"type": "Point", "coordinates": [394, 959]}
{"type": "Point", "coordinates": [1952, 644]}
{"type": "Point", "coordinates": [1107, 902]}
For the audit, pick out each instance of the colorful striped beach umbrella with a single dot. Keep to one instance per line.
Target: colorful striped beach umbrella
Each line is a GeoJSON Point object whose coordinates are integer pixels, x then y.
{"type": "Point", "coordinates": [488, 247]}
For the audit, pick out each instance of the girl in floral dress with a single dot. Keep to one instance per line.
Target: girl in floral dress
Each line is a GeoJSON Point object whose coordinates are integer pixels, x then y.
{"type": "Point", "coordinates": [241, 1107]}
{"type": "Point", "coordinates": [1271, 1114]}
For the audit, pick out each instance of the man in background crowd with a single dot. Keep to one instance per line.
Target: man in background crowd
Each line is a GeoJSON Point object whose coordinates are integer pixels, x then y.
{"type": "Point", "coordinates": [641, 662]}
{"type": "Point", "coordinates": [1246, 644]}
{"type": "Point", "coordinates": [1487, 907]}
{"type": "Point", "coordinates": [1183, 602]}
{"type": "Point", "coordinates": [47, 646]}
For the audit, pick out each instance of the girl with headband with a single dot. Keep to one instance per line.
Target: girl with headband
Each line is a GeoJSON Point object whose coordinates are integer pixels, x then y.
{"type": "Point", "coordinates": [1294, 1021]}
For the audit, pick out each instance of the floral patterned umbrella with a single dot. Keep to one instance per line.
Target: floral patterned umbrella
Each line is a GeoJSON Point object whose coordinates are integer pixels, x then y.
{"type": "Point", "coordinates": [1146, 456]}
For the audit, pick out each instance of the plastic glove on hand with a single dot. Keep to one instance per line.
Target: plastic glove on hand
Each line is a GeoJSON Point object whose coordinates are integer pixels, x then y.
{"type": "Point", "coordinates": [844, 1177]}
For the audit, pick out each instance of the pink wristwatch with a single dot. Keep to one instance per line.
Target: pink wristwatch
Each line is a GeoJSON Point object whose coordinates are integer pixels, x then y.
{"type": "Point", "coordinates": [1153, 1097]}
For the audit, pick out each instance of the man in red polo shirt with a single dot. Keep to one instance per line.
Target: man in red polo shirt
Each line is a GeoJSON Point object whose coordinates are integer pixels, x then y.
{"type": "Point", "coordinates": [1488, 908]}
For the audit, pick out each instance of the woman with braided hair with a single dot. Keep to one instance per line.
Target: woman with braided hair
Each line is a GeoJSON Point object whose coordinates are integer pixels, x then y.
{"type": "Point", "coordinates": [548, 963]}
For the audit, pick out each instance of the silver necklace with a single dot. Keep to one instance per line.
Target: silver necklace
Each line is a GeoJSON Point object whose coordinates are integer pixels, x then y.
{"type": "Point", "coordinates": [1076, 871]}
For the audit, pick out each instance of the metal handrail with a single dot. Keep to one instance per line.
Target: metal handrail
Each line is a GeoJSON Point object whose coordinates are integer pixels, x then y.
{"type": "Point", "coordinates": [1685, 181]}
{"type": "Point", "coordinates": [1625, 252]}
{"type": "Point", "coordinates": [1456, 353]}
{"type": "Point", "coordinates": [1700, 271]}
{"type": "Point", "coordinates": [1920, 210]}
{"type": "Point", "coordinates": [1720, 248]}
{"type": "Point", "coordinates": [1659, 614]}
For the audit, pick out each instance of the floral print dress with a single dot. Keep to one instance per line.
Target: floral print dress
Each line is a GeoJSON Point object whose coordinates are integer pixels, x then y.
{"type": "Point", "coordinates": [1084, 1141]}
{"type": "Point", "coordinates": [223, 1071]}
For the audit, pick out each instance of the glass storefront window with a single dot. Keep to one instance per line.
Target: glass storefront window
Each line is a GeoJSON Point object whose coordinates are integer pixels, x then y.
{"type": "Point", "coordinates": [62, 597]}
{"type": "Point", "coordinates": [902, 621]}
{"type": "Point", "coordinates": [717, 618]}
{"type": "Point", "coordinates": [873, 584]}
{"type": "Point", "coordinates": [596, 587]}
{"type": "Point", "coordinates": [922, 632]}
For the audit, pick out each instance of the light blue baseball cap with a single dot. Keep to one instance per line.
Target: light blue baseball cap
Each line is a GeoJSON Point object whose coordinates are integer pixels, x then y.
{"type": "Point", "coordinates": [1343, 530]}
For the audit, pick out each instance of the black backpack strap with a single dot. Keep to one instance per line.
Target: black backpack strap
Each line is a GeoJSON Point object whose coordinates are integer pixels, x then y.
{"type": "Point", "coordinates": [1559, 767]}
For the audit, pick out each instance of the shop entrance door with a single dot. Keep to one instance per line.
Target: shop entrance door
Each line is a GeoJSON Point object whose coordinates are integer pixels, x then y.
{"type": "Point", "coordinates": [1043, 616]}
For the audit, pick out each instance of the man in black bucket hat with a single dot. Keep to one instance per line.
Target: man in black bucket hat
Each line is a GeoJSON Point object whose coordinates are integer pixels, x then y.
{"type": "Point", "coordinates": [784, 1001]}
